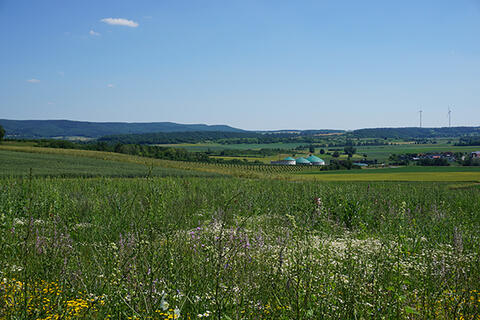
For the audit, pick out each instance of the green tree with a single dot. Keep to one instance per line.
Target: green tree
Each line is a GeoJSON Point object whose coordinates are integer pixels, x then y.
{"type": "Point", "coordinates": [311, 148]}
{"type": "Point", "coordinates": [350, 151]}
{"type": "Point", "coordinates": [336, 154]}
{"type": "Point", "coordinates": [322, 151]}
{"type": "Point", "coordinates": [2, 133]}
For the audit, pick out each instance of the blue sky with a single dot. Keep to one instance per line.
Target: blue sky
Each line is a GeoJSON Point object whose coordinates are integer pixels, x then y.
{"type": "Point", "coordinates": [251, 64]}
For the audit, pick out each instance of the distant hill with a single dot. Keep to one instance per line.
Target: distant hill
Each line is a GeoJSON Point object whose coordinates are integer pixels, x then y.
{"type": "Point", "coordinates": [67, 128]}
{"type": "Point", "coordinates": [177, 137]}
{"type": "Point", "coordinates": [415, 132]}
{"type": "Point", "coordinates": [304, 132]}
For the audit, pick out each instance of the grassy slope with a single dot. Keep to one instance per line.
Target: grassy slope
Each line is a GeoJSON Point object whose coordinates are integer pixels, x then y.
{"type": "Point", "coordinates": [450, 174]}
{"type": "Point", "coordinates": [19, 163]}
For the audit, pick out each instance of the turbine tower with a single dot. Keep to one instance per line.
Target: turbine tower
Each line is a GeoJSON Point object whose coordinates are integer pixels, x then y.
{"type": "Point", "coordinates": [449, 117]}
{"type": "Point", "coordinates": [420, 112]}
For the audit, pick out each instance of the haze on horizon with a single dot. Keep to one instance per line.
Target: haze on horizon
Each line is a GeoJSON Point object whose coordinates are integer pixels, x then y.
{"type": "Point", "coordinates": [250, 64]}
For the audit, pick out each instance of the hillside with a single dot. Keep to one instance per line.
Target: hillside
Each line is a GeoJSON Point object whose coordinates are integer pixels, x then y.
{"type": "Point", "coordinates": [67, 128]}
{"type": "Point", "coordinates": [415, 132]}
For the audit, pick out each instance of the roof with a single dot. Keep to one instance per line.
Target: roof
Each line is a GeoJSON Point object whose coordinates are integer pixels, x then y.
{"type": "Point", "coordinates": [360, 164]}
{"type": "Point", "coordinates": [302, 160]}
{"type": "Point", "coordinates": [313, 158]}
{"type": "Point", "coordinates": [289, 159]}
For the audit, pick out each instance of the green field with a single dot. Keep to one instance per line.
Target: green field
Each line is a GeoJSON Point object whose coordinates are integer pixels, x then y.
{"type": "Point", "coordinates": [381, 153]}
{"type": "Point", "coordinates": [67, 162]}
{"type": "Point", "coordinates": [410, 173]}
{"type": "Point", "coordinates": [98, 235]}
{"type": "Point", "coordinates": [19, 164]}
{"type": "Point", "coordinates": [231, 248]}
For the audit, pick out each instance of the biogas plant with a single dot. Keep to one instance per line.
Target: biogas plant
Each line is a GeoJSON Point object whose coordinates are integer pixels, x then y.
{"type": "Point", "coordinates": [309, 161]}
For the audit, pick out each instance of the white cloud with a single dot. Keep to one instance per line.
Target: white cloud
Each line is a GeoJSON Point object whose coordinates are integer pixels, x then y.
{"type": "Point", "coordinates": [93, 33]}
{"type": "Point", "coordinates": [110, 85]}
{"type": "Point", "coordinates": [33, 80]}
{"type": "Point", "coordinates": [120, 22]}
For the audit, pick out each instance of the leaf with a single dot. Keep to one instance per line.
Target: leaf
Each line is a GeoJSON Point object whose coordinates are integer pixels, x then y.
{"type": "Point", "coordinates": [411, 310]}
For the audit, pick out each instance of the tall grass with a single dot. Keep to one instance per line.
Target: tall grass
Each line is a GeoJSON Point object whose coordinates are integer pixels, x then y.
{"type": "Point", "coordinates": [223, 248]}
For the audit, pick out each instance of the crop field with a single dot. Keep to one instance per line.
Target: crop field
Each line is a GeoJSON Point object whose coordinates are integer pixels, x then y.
{"type": "Point", "coordinates": [20, 163]}
{"type": "Point", "coordinates": [246, 171]}
{"type": "Point", "coordinates": [410, 173]}
{"type": "Point", "coordinates": [232, 248]}
{"type": "Point", "coordinates": [68, 162]}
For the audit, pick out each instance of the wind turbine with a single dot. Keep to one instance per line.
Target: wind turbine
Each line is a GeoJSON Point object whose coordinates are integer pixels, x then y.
{"type": "Point", "coordinates": [420, 112]}
{"type": "Point", "coordinates": [449, 117]}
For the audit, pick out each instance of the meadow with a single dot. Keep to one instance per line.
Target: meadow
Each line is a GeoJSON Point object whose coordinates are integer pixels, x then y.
{"type": "Point", "coordinates": [23, 164]}
{"type": "Point", "coordinates": [110, 236]}
{"type": "Point", "coordinates": [231, 248]}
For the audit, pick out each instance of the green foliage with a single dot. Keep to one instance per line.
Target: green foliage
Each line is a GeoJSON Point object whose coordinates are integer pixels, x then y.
{"type": "Point", "coordinates": [238, 249]}
{"type": "Point", "coordinates": [433, 162]}
{"type": "Point", "coordinates": [349, 150]}
{"type": "Point", "coordinates": [468, 141]}
{"type": "Point", "coordinates": [2, 133]}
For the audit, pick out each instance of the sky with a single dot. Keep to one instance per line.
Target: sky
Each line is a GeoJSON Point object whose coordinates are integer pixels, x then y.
{"type": "Point", "coordinates": [251, 64]}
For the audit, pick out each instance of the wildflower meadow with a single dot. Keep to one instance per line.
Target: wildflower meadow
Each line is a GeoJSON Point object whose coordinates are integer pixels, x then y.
{"type": "Point", "coordinates": [233, 248]}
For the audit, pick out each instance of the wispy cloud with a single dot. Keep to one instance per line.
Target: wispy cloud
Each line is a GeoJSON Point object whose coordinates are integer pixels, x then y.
{"type": "Point", "coordinates": [93, 33]}
{"type": "Point", "coordinates": [120, 22]}
{"type": "Point", "coordinates": [110, 85]}
{"type": "Point", "coordinates": [33, 80]}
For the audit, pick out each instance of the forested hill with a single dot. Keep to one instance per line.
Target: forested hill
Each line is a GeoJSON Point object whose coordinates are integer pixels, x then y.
{"type": "Point", "coordinates": [67, 128]}
{"type": "Point", "coordinates": [178, 137]}
{"type": "Point", "coordinates": [415, 132]}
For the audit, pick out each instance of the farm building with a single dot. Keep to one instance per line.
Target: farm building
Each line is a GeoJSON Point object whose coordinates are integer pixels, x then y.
{"type": "Point", "coordinates": [302, 161]}
{"type": "Point", "coordinates": [289, 161]}
{"type": "Point", "coordinates": [360, 164]}
{"type": "Point", "coordinates": [316, 161]}
{"type": "Point", "coordinates": [476, 154]}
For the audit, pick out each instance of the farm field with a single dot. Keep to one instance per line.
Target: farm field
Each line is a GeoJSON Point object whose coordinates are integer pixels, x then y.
{"type": "Point", "coordinates": [19, 164]}
{"type": "Point", "coordinates": [68, 162]}
{"type": "Point", "coordinates": [381, 153]}
{"type": "Point", "coordinates": [410, 173]}
{"type": "Point", "coordinates": [232, 248]}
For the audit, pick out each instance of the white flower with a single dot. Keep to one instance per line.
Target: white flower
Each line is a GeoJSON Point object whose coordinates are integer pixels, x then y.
{"type": "Point", "coordinates": [164, 304]}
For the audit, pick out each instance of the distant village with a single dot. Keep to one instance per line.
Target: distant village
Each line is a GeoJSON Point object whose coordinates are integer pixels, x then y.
{"type": "Point", "coordinates": [437, 158]}
{"type": "Point", "coordinates": [444, 157]}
